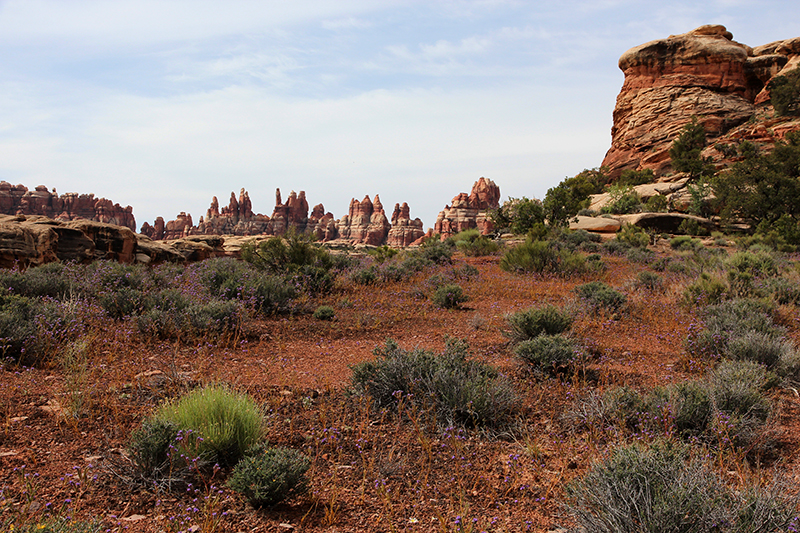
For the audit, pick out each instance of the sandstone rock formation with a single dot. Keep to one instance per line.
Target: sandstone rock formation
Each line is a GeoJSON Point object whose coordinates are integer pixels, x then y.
{"type": "Point", "coordinates": [404, 231]}
{"type": "Point", "coordinates": [702, 73]}
{"type": "Point", "coordinates": [365, 223]}
{"type": "Point", "coordinates": [468, 211]}
{"type": "Point", "coordinates": [18, 200]}
{"type": "Point", "coordinates": [35, 240]}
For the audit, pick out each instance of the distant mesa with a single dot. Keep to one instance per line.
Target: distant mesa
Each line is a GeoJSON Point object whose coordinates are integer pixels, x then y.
{"type": "Point", "coordinates": [18, 200]}
{"type": "Point", "coordinates": [705, 74]}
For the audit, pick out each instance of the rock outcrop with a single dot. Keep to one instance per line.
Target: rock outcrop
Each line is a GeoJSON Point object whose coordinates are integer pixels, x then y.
{"type": "Point", "coordinates": [365, 223]}
{"type": "Point", "coordinates": [702, 73]}
{"type": "Point", "coordinates": [468, 211]}
{"type": "Point", "coordinates": [404, 231]}
{"type": "Point", "coordinates": [18, 200]}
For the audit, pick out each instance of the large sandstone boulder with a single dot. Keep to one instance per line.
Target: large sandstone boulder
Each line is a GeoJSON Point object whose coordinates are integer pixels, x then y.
{"type": "Point", "coordinates": [702, 73]}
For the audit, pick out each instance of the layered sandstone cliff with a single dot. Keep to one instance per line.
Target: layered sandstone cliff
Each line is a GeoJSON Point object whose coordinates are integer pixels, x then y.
{"type": "Point", "coordinates": [702, 73]}
{"type": "Point", "coordinates": [18, 200]}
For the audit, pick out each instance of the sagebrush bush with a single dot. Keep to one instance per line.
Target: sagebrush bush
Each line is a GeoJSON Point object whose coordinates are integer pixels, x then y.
{"type": "Point", "coordinates": [149, 447]}
{"type": "Point", "coordinates": [449, 296]}
{"type": "Point", "coordinates": [600, 295]}
{"type": "Point", "coordinates": [542, 257]}
{"type": "Point", "coordinates": [457, 390]}
{"type": "Point", "coordinates": [270, 476]}
{"type": "Point", "coordinates": [471, 243]}
{"type": "Point", "coordinates": [226, 423]}
{"type": "Point", "coordinates": [633, 235]}
{"type": "Point", "coordinates": [324, 312]}
{"type": "Point", "coordinates": [533, 322]}
{"type": "Point", "coordinates": [550, 353]}
{"type": "Point", "coordinates": [648, 280]}
{"type": "Point", "coordinates": [663, 489]}
{"type": "Point", "coordinates": [685, 242]}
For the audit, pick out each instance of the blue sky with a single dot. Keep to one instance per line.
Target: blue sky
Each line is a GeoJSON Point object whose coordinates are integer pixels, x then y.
{"type": "Point", "coordinates": [163, 104]}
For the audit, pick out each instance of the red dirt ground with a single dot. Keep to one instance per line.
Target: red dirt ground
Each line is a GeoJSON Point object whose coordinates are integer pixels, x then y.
{"type": "Point", "coordinates": [369, 472]}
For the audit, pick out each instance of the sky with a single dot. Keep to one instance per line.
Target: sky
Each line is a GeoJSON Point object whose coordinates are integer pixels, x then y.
{"type": "Point", "coordinates": [162, 104]}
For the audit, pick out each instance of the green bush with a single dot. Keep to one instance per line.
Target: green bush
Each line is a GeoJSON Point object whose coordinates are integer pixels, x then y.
{"type": "Point", "coordinates": [33, 329]}
{"type": "Point", "coordinates": [324, 312]}
{"type": "Point", "coordinates": [649, 280]}
{"type": "Point", "coordinates": [571, 195]}
{"type": "Point", "coordinates": [457, 390]}
{"type": "Point", "coordinates": [784, 93]}
{"type": "Point", "coordinates": [472, 244]}
{"type": "Point", "coordinates": [705, 290]}
{"type": "Point", "coordinates": [382, 253]}
{"type": "Point", "coordinates": [662, 488]}
{"type": "Point", "coordinates": [449, 296]}
{"type": "Point", "coordinates": [656, 204]}
{"type": "Point", "coordinates": [633, 235]}
{"type": "Point", "coordinates": [51, 279]}
{"type": "Point", "coordinates": [224, 423]}
{"type": "Point", "coordinates": [632, 178]}
{"type": "Point", "coordinates": [518, 215]}
{"type": "Point", "coordinates": [550, 353]}
{"type": "Point", "coordinates": [270, 476]}
{"type": "Point", "coordinates": [622, 200]}
{"type": "Point", "coordinates": [149, 447]}
{"type": "Point", "coordinates": [685, 242]}
{"type": "Point", "coordinates": [542, 257]}
{"type": "Point", "coordinates": [533, 322]}
{"type": "Point", "coordinates": [600, 295]}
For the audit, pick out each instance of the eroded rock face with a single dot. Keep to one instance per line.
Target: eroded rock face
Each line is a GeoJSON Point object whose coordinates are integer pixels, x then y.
{"type": "Point", "coordinates": [404, 231]}
{"type": "Point", "coordinates": [702, 73]}
{"type": "Point", "coordinates": [468, 211]}
{"type": "Point", "coordinates": [18, 200]}
{"type": "Point", "coordinates": [365, 223]}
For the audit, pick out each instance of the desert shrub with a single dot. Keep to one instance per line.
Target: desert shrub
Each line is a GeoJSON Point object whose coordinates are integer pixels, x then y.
{"type": "Point", "coordinates": [644, 256]}
{"type": "Point", "coordinates": [622, 200]}
{"type": "Point", "coordinates": [213, 316]}
{"type": "Point", "coordinates": [632, 178]}
{"type": "Point", "coordinates": [472, 243]}
{"type": "Point", "coordinates": [685, 152]}
{"type": "Point", "coordinates": [648, 280]}
{"type": "Point", "coordinates": [51, 279]}
{"type": "Point", "coordinates": [542, 257]}
{"type": "Point", "coordinates": [108, 276]}
{"type": "Point", "coordinates": [573, 239]}
{"type": "Point", "coordinates": [149, 447]}
{"type": "Point", "coordinates": [633, 235]}
{"type": "Point", "coordinates": [685, 242]}
{"type": "Point", "coordinates": [271, 476]}
{"type": "Point", "coordinates": [759, 347]}
{"type": "Point", "coordinates": [756, 263]}
{"type": "Point", "coordinates": [550, 353]}
{"type": "Point", "coordinates": [600, 295]}
{"type": "Point", "coordinates": [32, 329]}
{"type": "Point", "coordinates": [449, 296]}
{"type": "Point", "coordinates": [656, 204]}
{"type": "Point", "coordinates": [225, 423]}
{"type": "Point", "coordinates": [706, 289]}
{"type": "Point", "coordinates": [434, 251]}
{"type": "Point", "coordinates": [52, 524]}
{"type": "Point", "coordinates": [230, 279]}
{"type": "Point", "coordinates": [690, 407]}
{"type": "Point", "coordinates": [661, 488]}
{"type": "Point", "coordinates": [729, 320]}
{"type": "Point", "coordinates": [615, 247]}
{"type": "Point", "coordinates": [458, 390]}
{"type": "Point", "coordinates": [567, 198]}
{"type": "Point", "coordinates": [365, 275]}
{"type": "Point", "coordinates": [784, 291]}
{"type": "Point", "coordinates": [324, 312]}
{"type": "Point", "coordinates": [518, 215]}
{"type": "Point", "coordinates": [784, 93]}
{"type": "Point", "coordinates": [122, 302]}
{"type": "Point", "coordinates": [530, 323]}
{"type": "Point", "coordinates": [382, 253]}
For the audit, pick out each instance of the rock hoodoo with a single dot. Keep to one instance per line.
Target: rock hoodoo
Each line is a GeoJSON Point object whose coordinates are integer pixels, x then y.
{"type": "Point", "coordinates": [468, 211]}
{"type": "Point", "coordinates": [702, 73]}
{"type": "Point", "coordinates": [404, 231]}
{"type": "Point", "coordinates": [18, 200]}
{"type": "Point", "coordinates": [365, 223]}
